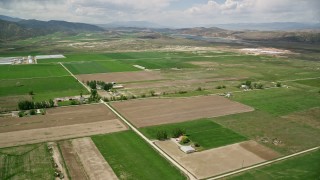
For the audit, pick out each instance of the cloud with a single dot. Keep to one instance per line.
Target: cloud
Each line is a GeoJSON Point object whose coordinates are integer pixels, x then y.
{"type": "Point", "coordinates": [165, 12]}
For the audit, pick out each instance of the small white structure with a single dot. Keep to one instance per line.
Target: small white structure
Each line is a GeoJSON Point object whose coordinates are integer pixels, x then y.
{"type": "Point", "coordinates": [30, 60]}
{"type": "Point", "coordinates": [187, 149]}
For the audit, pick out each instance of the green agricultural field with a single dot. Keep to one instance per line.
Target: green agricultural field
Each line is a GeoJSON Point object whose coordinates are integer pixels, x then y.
{"type": "Point", "coordinates": [204, 131]}
{"type": "Point", "coordinates": [31, 71]}
{"type": "Point", "coordinates": [311, 82]}
{"type": "Point", "coordinates": [43, 88]}
{"type": "Point", "coordinates": [302, 167]}
{"type": "Point", "coordinates": [279, 101]}
{"type": "Point", "coordinates": [99, 67]}
{"type": "Point", "coordinates": [116, 56]}
{"type": "Point", "coordinates": [297, 131]}
{"type": "Point", "coordinates": [132, 158]}
{"type": "Point", "coordinates": [26, 162]}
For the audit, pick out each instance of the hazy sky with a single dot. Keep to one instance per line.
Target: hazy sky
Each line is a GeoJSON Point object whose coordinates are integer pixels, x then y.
{"type": "Point", "coordinates": [178, 13]}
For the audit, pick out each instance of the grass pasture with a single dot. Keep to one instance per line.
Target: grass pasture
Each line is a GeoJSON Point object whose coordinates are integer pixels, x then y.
{"type": "Point", "coordinates": [302, 167]}
{"type": "Point", "coordinates": [279, 101]}
{"type": "Point", "coordinates": [26, 162]}
{"type": "Point", "coordinates": [204, 131]}
{"type": "Point", "coordinates": [31, 71]}
{"type": "Point", "coordinates": [297, 132]}
{"type": "Point", "coordinates": [310, 82]}
{"type": "Point", "coordinates": [132, 158]}
{"type": "Point", "coordinates": [99, 67]}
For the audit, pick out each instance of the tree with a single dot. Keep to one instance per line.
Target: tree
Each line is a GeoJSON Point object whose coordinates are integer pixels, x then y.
{"type": "Point", "coordinates": [152, 93]}
{"type": "Point", "coordinates": [26, 105]}
{"type": "Point", "coordinates": [32, 112]}
{"type": "Point", "coordinates": [162, 135]}
{"type": "Point", "coordinates": [107, 86]}
{"type": "Point", "coordinates": [278, 84]}
{"type": "Point", "coordinates": [177, 132]}
{"type": "Point", "coordinates": [31, 93]}
{"type": "Point", "coordinates": [51, 102]}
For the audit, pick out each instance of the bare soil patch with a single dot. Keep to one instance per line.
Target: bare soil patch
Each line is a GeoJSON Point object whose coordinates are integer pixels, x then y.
{"type": "Point", "coordinates": [74, 166]}
{"type": "Point", "coordinates": [9, 103]}
{"type": "Point", "coordinates": [60, 116]}
{"type": "Point", "coordinates": [121, 76]}
{"type": "Point", "coordinates": [216, 161]}
{"type": "Point", "coordinates": [205, 63]}
{"type": "Point", "coordinates": [32, 136]}
{"type": "Point", "coordinates": [156, 111]}
{"type": "Point", "coordinates": [93, 162]}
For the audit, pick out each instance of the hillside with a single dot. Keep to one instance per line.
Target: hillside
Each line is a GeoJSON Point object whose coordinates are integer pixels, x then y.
{"type": "Point", "coordinates": [31, 28]}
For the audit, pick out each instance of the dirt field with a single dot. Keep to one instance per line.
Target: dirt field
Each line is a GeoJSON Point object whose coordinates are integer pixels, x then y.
{"type": "Point", "coordinates": [75, 168]}
{"type": "Point", "coordinates": [32, 136]}
{"type": "Point", "coordinates": [60, 116]}
{"type": "Point", "coordinates": [121, 76]}
{"type": "Point", "coordinates": [172, 83]}
{"type": "Point", "coordinates": [149, 112]}
{"type": "Point", "coordinates": [93, 162]}
{"type": "Point", "coordinates": [216, 161]}
{"type": "Point", "coordinates": [59, 123]}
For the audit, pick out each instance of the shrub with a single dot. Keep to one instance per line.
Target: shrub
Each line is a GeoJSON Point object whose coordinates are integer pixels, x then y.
{"type": "Point", "coordinates": [182, 92]}
{"type": "Point", "coordinates": [51, 102]}
{"type": "Point", "coordinates": [184, 140]}
{"type": "Point", "coordinates": [199, 89]}
{"type": "Point", "coordinates": [21, 113]}
{"type": "Point", "coordinates": [162, 135]}
{"type": "Point", "coordinates": [32, 112]}
{"type": "Point", "coordinates": [31, 93]}
{"type": "Point", "coordinates": [223, 86]}
{"type": "Point", "coordinates": [196, 144]}
{"type": "Point", "coordinates": [123, 97]}
{"type": "Point", "coordinates": [278, 84]}
{"type": "Point", "coordinates": [143, 95]}
{"type": "Point", "coordinates": [105, 99]}
{"type": "Point", "coordinates": [219, 87]}
{"type": "Point", "coordinates": [152, 93]}
{"type": "Point", "coordinates": [177, 132]}
{"type": "Point", "coordinates": [259, 86]}
{"type": "Point", "coordinates": [73, 102]}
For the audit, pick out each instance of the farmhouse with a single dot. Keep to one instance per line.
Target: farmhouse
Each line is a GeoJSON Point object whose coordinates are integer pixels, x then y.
{"type": "Point", "coordinates": [70, 98]}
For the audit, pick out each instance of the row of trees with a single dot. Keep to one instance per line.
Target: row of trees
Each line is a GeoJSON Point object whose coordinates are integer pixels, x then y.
{"type": "Point", "coordinates": [105, 86]}
{"type": "Point", "coordinates": [27, 105]}
{"type": "Point", "coordinates": [251, 85]}
{"type": "Point", "coordinates": [177, 132]}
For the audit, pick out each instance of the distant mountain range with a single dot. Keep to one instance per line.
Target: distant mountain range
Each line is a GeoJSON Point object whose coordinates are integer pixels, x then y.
{"type": "Point", "coordinates": [275, 26]}
{"type": "Point", "coordinates": [15, 28]}
{"type": "Point", "coordinates": [132, 24]}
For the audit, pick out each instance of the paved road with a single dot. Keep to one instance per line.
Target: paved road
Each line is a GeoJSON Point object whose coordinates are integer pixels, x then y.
{"type": "Point", "coordinates": [181, 168]}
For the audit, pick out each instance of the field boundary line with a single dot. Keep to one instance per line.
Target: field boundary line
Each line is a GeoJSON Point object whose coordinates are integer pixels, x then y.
{"type": "Point", "coordinates": [75, 77]}
{"type": "Point", "coordinates": [35, 78]}
{"type": "Point", "coordinates": [299, 79]}
{"type": "Point", "coordinates": [131, 59]}
{"type": "Point", "coordinates": [264, 163]}
{"type": "Point", "coordinates": [169, 158]}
